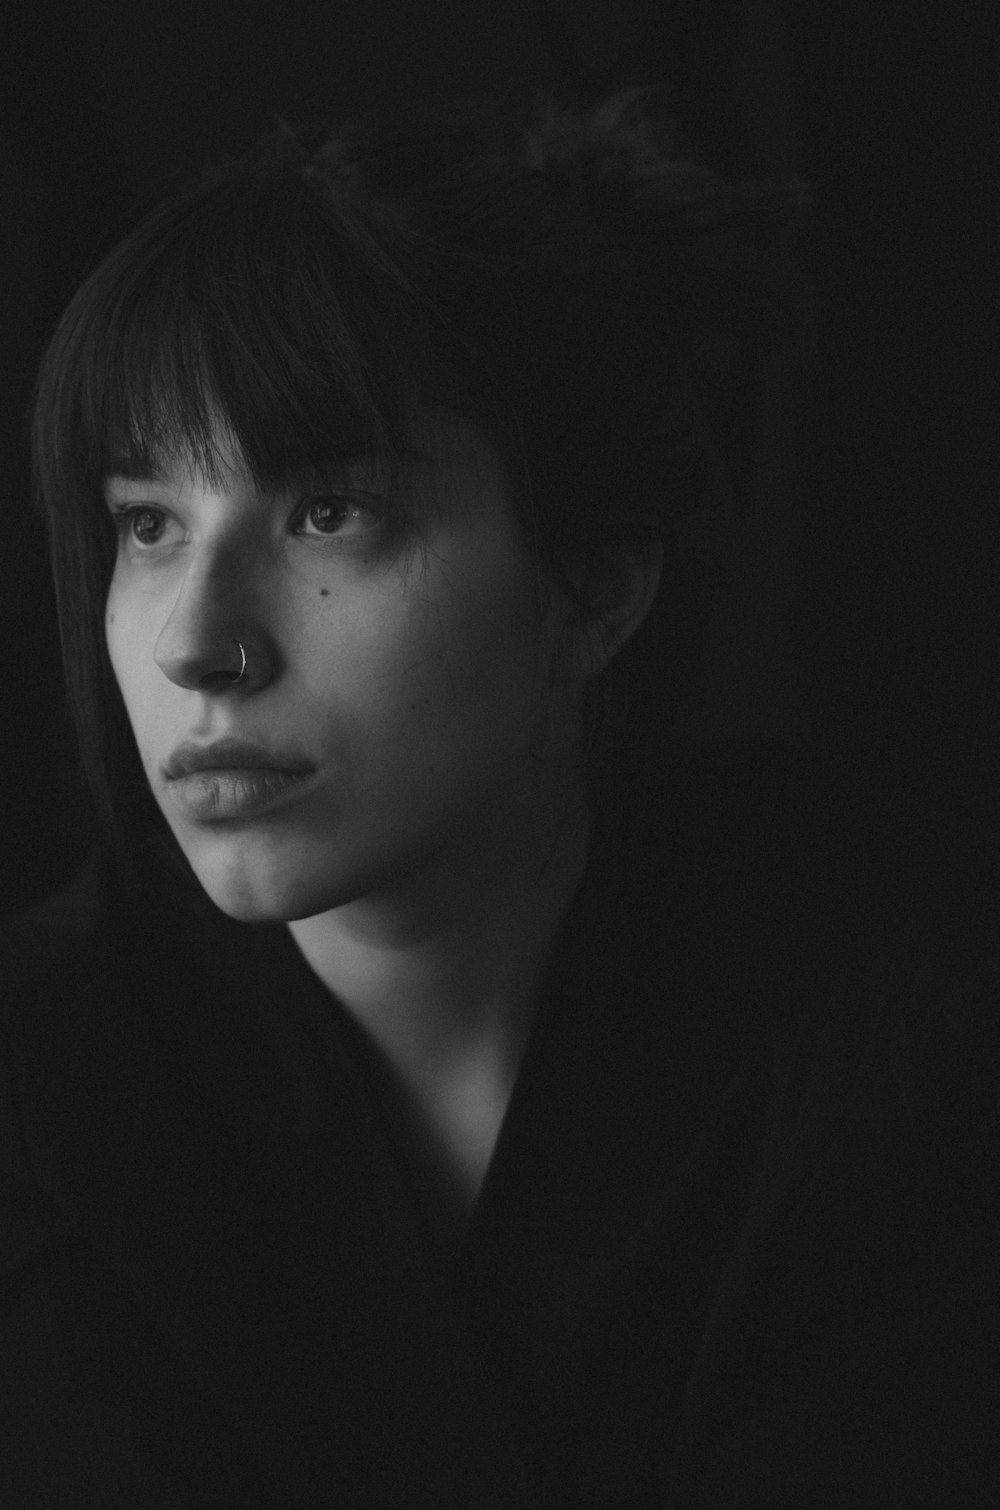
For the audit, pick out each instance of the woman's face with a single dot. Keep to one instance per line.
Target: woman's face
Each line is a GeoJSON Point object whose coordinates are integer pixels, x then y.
{"type": "Point", "coordinates": [410, 702]}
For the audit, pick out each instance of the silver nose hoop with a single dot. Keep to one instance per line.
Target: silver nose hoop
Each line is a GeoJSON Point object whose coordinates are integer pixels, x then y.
{"type": "Point", "coordinates": [239, 675]}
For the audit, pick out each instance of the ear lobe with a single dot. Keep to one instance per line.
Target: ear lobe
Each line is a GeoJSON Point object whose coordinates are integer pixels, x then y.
{"type": "Point", "coordinates": [621, 589]}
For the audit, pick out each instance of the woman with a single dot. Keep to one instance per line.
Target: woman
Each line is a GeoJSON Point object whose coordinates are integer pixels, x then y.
{"type": "Point", "coordinates": [428, 1095]}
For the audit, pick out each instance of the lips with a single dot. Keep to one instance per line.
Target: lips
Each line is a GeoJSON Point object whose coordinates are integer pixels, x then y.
{"type": "Point", "coordinates": [233, 779]}
{"type": "Point", "coordinates": [232, 755]}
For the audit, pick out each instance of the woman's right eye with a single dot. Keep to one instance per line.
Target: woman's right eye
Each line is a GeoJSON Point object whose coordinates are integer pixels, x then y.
{"type": "Point", "coordinates": [140, 525]}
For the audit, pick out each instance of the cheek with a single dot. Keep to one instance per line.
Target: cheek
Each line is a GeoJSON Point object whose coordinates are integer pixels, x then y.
{"type": "Point", "coordinates": [450, 656]}
{"type": "Point", "coordinates": [119, 642]}
{"type": "Point", "coordinates": [129, 647]}
{"type": "Point", "coordinates": [477, 669]}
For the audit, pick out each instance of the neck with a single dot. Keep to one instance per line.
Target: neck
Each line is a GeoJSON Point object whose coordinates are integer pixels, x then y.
{"type": "Point", "coordinates": [451, 970]}
{"type": "Point", "coordinates": [446, 989]}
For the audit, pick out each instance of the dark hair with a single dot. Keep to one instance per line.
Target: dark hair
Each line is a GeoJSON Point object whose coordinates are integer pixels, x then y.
{"type": "Point", "coordinates": [582, 287]}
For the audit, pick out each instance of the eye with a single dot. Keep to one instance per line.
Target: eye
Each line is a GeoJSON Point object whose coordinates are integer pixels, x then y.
{"type": "Point", "coordinates": [140, 524]}
{"type": "Point", "coordinates": [346, 516]}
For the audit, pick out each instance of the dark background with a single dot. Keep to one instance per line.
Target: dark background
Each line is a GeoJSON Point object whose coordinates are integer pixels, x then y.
{"type": "Point", "coordinates": [871, 634]}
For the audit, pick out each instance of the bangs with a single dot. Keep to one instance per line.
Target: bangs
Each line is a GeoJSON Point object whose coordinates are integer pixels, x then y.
{"type": "Point", "coordinates": [262, 321]}
{"type": "Point", "coordinates": [259, 317]}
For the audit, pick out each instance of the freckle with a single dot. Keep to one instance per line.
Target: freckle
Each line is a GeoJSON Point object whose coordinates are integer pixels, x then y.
{"type": "Point", "coordinates": [324, 592]}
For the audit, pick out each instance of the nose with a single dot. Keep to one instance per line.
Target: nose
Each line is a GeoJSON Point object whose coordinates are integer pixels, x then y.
{"type": "Point", "coordinates": [214, 639]}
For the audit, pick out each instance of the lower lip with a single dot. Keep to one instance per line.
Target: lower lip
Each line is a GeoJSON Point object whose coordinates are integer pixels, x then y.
{"type": "Point", "coordinates": [215, 795]}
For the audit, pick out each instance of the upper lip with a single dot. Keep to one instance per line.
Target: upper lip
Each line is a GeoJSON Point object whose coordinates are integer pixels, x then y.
{"type": "Point", "coordinates": [230, 754]}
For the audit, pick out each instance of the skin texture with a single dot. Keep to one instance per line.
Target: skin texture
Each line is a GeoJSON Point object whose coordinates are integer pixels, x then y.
{"type": "Point", "coordinates": [427, 672]}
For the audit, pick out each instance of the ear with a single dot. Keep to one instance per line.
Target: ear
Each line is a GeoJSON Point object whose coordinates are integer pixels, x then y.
{"type": "Point", "coordinates": [621, 589]}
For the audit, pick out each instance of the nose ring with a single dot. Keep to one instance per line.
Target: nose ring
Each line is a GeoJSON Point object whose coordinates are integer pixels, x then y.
{"type": "Point", "coordinates": [238, 675]}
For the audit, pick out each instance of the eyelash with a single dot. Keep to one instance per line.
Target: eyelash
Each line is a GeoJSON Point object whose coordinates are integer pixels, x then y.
{"type": "Point", "coordinates": [125, 515]}
{"type": "Point", "coordinates": [366, 502]}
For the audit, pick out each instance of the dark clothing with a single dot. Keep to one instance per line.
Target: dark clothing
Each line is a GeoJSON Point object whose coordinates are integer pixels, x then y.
{"type": "Point", "coordinates": [734, 1248]}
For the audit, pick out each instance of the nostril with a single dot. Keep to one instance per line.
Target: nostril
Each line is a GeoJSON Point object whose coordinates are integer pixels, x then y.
{"type": "Point", "coordinates": [210, 667]}
{"type": "Point", "coordinates": [216, 681]}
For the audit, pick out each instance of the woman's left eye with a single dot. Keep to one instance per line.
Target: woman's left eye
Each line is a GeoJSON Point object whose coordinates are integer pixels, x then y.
{"type": "Point", "coordinates": [344, 515]}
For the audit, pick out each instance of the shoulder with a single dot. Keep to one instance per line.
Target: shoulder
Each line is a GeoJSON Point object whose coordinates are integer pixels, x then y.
{"type": "Point", "coordinates": [870, 985]}
{"type": "Point", "coordinates": [835, 935]}
{"type": "Point", "coordinates": [53, 967]}
{"type": "Point", "coordinates": [76, 1048]}
{"type": "Point", "coordinates": [35, 939]}
{"type": "Point", "coordinates": [112, 993]}
{"type": "Point", "coordinates": [58, 974]}
{"type": "Point", "coordinates": [781, 811]}
{"type": "Point", "coordinates": [782, 858]}
{"type": "Point", "coordinates": [110, 1007]}
{"type": "Point", "coordinates": [859, 1296]}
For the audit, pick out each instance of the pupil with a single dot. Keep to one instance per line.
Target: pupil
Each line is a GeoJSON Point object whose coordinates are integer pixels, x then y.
{"type": "Point", "coordinates": [326, 513]}
{"type": "Point", "coordinates": [146, 526]}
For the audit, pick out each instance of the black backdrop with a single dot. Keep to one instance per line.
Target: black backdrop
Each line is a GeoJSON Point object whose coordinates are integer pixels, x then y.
{"type": "Point", "coordinates": [874, 637]}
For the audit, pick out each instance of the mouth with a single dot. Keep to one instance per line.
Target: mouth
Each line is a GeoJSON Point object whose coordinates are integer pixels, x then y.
{"type": "Point", "coordinates": [233, 779]}
{"type": "Point", "coordinates": [232, 755]}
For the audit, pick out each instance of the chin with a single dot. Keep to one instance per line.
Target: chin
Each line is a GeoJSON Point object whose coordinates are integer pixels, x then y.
{"type": "Point", "coordinates": [244, 908]}
{"type": "Point", "coordinates": [254, 889]}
